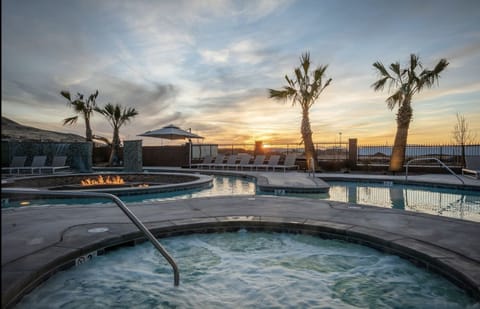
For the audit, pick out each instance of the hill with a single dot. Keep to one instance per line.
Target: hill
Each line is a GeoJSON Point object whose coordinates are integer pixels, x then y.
{"type": "Point", "coordinates": [12, 130]}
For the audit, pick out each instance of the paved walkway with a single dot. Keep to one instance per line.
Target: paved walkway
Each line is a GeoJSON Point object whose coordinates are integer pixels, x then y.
{"type": "Point", "coordinates": [37, 241]}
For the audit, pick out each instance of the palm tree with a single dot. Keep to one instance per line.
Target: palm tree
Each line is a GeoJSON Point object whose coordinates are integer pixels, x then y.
{"type": "Point", "coordinates": [117, 117]}
{"type": "Point", "coordinates": [406, 82]}
{"type": "Point", "coordinates": [85, 108]}
{"type": "Point", "coordinates": [304, 90]}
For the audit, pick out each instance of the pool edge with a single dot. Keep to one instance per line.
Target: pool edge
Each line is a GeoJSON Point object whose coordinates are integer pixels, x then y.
{"type": "Point", "coordinates": [432, 257]}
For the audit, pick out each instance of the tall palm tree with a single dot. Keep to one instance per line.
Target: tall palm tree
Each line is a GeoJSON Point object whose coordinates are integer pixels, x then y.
{"type": "Point", "coordinates": [304, 90]}
{"type": "Point", "coordinates": [407, 82]}
{"type": "Point", "coordinates": [82, 107]}
{"type": "Point", "coordinates": [116, 116]}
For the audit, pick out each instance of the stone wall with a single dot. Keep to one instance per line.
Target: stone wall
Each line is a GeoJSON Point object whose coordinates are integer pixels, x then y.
{"type": "Point", "coordinates": [79, 154]}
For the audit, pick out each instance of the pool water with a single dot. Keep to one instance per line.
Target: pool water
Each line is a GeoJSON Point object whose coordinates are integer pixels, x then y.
{"type": "Point", "coordinates": [454, 203]}
{"type": "Point", "coordinates": [248, 270]}
{"type": "Point", "coordinates": [221, 185]}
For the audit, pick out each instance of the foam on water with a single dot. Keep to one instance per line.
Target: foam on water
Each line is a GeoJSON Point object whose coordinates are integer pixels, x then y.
{"type": "Point", "coordinates": [248, 270]}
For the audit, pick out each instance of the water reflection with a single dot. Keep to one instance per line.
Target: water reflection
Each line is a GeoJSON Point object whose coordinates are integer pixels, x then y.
{"type": "Point", "coordinates": [438, 201]}
{"type": "Point", "coordinates": [396, 197]}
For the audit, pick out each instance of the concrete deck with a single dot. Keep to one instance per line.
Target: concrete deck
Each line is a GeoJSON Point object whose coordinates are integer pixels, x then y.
{"type": "Point", "coordinates": [38, 241]}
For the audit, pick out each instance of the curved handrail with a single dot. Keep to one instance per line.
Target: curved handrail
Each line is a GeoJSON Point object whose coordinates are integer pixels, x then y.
{"type": "Point", "coordinates": [436, 159]}
{"type": "Point", "coordinates": [119, 203]}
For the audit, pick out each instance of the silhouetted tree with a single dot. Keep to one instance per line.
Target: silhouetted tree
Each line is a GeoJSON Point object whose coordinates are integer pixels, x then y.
{"type": "Point", "coordinates": [82, 107]}
{"type": "Point", "coordinates": [462, 135]}
{"type": "Point", "coordinates": [116, 116]}
{"type": "Point", "coordinates": [304, 90]}
{"type": "Point", "coordinates": [407, 82]}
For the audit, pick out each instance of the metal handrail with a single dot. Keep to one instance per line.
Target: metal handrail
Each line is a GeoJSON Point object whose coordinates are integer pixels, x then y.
{"type": "Point", "coordinates": [119, 203]}
{"type": "Point", "coordinates": [436, 159]}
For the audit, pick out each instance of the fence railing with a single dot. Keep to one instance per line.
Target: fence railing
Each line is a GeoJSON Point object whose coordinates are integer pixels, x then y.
{"type": "Point", "coordinates": [325, 151]}
{"type": "Point", "coordinates": [451, 155]}
{"type": "Point", "coordinates": [351, 151]}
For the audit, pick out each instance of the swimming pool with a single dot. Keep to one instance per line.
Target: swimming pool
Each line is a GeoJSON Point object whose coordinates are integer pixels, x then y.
{"type": "Point", "coordinates": [249, 270]}
{"type": "Point", "coordinates": [221, 185]}
{"type": "Point", "coordinates": [447, 202]}
{"type": "Point", "coordinates": [454, 203]}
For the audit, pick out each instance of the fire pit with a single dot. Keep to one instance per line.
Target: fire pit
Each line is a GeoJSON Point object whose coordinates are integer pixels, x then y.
{"type": "Point", "coordinates": [100, 180]}
{"type": "Point", "coordinates": [119, 183]}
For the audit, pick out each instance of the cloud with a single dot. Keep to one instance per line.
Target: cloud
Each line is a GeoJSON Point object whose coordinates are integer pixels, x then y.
{"type": "Point", "coordinates": [242, 52]}
{"type": "Point", "coordinates": [212, 56]}
{"type": "Point", "coordinates": [207, 64]}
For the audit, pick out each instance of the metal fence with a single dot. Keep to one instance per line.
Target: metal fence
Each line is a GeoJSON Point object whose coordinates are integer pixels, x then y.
{"type": "Point", "coordinates": [451, 155]}
{"type": "Point", "coordinates": [327, 151]}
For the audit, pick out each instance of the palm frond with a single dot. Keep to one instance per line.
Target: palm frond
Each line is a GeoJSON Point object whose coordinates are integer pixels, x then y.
{"type": "Point", "coordinates": [128, 114]}
{"type": "Point", "coordinates": [381, 69]}
{"type": "Point", "coordinates": [103, 139]}
{"type": "Point", "coordinates": [429, 77]}
{"type": "Point", "coordinates": [305, 87]}
{"type": "Point", "coordinates": [70, 120]}
{"type": "Point", "coordinates": [441, 65]}
{"type": "Point", "coordinates": [289, 81]}
{"type": "Point", "coordinates": [91, 99]}
{"type": "Point", "coordinates": [414, 62]}
{"type": "Point", "coordinates": [395, 99]}
{"type": "Point", "coordinates": [66, 95]}
{"type": "Point", "coordinates": [319, 72]}
{"type": "Point", "coordinates": [395, 68]}
{"type": "Point", "coordinates": [78, 106]}
{"type": "Point", "coordinates": [277, 94]}
{"type": "Point", "coordinates": [380, 84]}
{"type": "Point", "coordinates": [299, 76]}
{"type": "Point", "coordinates": [305, 62]}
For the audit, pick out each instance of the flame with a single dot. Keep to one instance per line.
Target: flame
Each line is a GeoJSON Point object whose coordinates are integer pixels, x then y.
{"type": "Point", "coordinates": [100, 180]}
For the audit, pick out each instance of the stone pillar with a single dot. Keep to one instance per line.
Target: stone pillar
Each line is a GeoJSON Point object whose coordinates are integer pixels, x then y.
{"type": "Point", "coordinates": [132, 156]}
{"type": "Point", "coordinates": [258, 148]}
{"type": "Point", "coordinates": [80, 155]}
{"type": "Point", "coordinates": [352, 152]}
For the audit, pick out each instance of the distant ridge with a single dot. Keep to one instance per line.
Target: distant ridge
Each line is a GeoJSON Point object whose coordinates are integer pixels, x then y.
{"type": "Point", "coordinates": [12, 130]}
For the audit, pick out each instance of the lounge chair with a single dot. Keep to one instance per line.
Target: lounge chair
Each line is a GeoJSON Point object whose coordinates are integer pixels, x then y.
{"type": "Point", "coordinates": [206, 161]}
{"type": "Point", "coordinates": [58, 163]}
{"type": "Point", "coordinates": [16, 163]}
{"type": "Point", "coordinates": [218, 161]}
{"type": "Point", "coordinates": [244, 160]}
{"type": "Point", "coordinates": [37, 163]}
{"type": "Point", "coordinates": [272, 162]}
{"type": "Point", "coordinates": [231, 162]}
{"type": "Point", "coordinates": [472, 166]}
{"type": "Point", "coordinates": [289, 162]}
{"type": "Point", "coordinates": [259, 159]}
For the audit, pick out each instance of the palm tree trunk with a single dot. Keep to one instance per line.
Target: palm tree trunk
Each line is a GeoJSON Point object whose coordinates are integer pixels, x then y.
{"type": "Point", "coordinates": [308, 142]}
{"type": "Point", "coordinates": [88, 130]}
{"type": "Point", "coordinates": [404, 117]}
{"type": "Point", "coordinates": [115, 147]}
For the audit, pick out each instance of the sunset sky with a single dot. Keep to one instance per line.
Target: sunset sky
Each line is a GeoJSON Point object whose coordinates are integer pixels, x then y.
{"type": "Point", "coordinates": [207, 65]}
